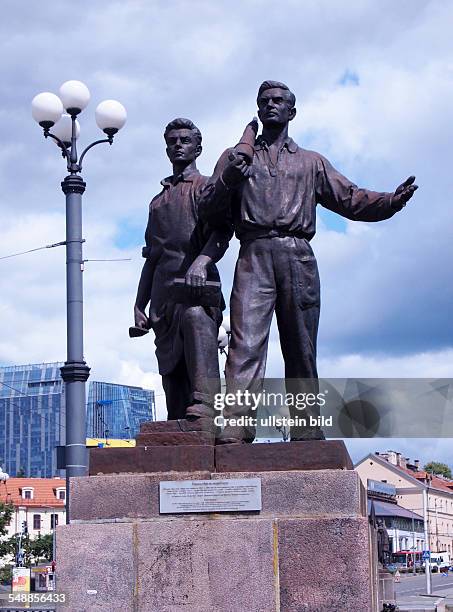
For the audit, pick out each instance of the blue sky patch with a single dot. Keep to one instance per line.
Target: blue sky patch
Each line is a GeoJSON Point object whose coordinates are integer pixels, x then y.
{"type": "Point", "coordinates": [349, 78]}
{"type": "Point", "coordinates": [130, 234]}
{"type": "Point", "coordinates": [331, 220]}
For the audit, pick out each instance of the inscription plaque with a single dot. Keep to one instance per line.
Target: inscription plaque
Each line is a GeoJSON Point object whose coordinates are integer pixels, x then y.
{"type": "Point", "coordinates": [234, 495]}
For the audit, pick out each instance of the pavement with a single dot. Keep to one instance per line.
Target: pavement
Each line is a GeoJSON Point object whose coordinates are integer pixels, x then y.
{"type": "Point", "coordinates": [411, 593]}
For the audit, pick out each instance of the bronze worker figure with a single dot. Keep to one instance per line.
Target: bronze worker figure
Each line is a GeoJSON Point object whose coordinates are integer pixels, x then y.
{"type": "Point", "coordinates": [181, 248]}
{"type": "Point", "coordinates": [272, 202]}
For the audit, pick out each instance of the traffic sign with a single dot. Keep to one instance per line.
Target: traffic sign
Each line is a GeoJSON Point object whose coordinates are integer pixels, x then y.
{"type": "Point", "coordinates": [426, 555]}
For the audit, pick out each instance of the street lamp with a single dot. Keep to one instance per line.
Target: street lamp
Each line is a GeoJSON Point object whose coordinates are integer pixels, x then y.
{"type": "Point", "coordinates": [48, 110]}
{"type": "Point", "coordinates": [223, 338]}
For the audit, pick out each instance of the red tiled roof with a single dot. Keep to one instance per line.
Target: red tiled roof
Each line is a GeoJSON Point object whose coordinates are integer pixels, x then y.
{"type": "Point", "coordinates": [436, 482]}
{"type": "Point", "coordinates": [44, 493]}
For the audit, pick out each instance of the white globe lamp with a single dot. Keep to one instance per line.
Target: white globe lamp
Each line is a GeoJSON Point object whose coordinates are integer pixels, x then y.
{"type": "Point", "coordinates": [63, 129]}
{"type": "Point", "coordinates": [110, 116]}
{"type": "Point", "coordinates": [75, 96]}
{"type": "Point", "coordinates": [46, 109]}
{"type": "Point", "coordinates": [222, 338]}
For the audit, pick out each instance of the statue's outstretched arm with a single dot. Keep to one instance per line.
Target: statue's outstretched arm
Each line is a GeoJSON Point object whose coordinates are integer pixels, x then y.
{"type": "Point", "coordinates": [337, 193]}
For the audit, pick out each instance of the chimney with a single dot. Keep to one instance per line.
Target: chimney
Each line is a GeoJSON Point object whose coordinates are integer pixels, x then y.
{"type": "Point", "coordinates": [403, 461]}
{"type": "Point", "coordinates": [417, 464]}
{"type": "Point", "coordinates": [392, 457]}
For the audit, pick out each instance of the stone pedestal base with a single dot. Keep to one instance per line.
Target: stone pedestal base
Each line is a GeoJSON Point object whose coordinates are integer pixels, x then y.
{"type": "Point", "coordinates": [158, 451]}
{"type": "Point", "coordinates": [386, 586]}
{"type": "Point", "coordinates": [307, 550]}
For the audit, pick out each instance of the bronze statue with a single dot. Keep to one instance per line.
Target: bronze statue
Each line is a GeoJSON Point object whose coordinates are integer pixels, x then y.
{"type": "Point", "coordinates": [272, 203]}
{"type": "Point", "coordinates": [383, 542]}
{"type": "Point", "coordinates": [181, 283]}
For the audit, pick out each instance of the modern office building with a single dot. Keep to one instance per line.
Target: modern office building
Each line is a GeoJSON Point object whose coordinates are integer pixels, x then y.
{"type": "Point", "coordinates": [32, 419]}
{"type": "Point", "coordinates": [116, 411]}
{"type": "Point", "coordinates": [32, 416]}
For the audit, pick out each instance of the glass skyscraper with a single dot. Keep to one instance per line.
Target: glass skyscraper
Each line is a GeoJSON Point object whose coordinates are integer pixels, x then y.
{"type": "Point", "coordinates": [32, 416]}
{"type": "Point", "coordinates": [116, 411]}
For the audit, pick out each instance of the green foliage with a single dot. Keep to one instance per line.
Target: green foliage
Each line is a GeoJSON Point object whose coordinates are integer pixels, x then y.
{"type": "Point", "coordinates": [41, 548]}
{"type": "Point", "coordinates": [6, 513]}
{"type": "Point", "coordinates": [21, 473]}
{"type": "Point", "coordinates": [6, 574]}
{"type": "Point", "coordinates": [36, 550]}
{"type": "Point", "coordinates": [436, 467]}
{"type": "Point", "coordinates": [8, 547]}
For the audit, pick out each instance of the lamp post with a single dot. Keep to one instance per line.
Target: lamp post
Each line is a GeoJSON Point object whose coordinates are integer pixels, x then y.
{"type": "Point", "coordinates": [223, 338]}
{"type": "Point", "coordinates": [48, 111]}
{"type": "Point", "coordinates": [427, 538]}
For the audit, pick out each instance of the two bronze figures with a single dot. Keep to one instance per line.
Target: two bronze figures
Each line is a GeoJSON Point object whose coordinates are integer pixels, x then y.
{"type": "Point", "coordinates": [265, 190]}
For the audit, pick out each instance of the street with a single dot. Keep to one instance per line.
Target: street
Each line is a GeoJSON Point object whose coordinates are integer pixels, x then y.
{"type": "Point", "coordinates": [411, 592]}
{"type": "Point", "coordinates": [416, 585]}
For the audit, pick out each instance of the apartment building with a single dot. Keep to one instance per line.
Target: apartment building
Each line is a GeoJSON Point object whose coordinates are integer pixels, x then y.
{"type": "Point", "coordinates": [417, 491]}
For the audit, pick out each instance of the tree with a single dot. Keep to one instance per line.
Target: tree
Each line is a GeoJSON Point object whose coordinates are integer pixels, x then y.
{"type": "Point", "coordinates": [6, 513]}
{"type": "Point", "coordinates": [8, 547]}
{"type": "Point", "coordinates": [436, 467]}
{"type": "Point", "coordinates": [21, 473]}
{"type": "Point", "coordinates": [36, 550]}
{"type": "Point", "coordinates": [41, 548]}
{"type": "Point", "coordinates": [6, 574]}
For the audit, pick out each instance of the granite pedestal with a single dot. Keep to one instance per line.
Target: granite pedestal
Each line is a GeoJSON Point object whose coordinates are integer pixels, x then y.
{"type": "Point", "coordinates": [307, 550]}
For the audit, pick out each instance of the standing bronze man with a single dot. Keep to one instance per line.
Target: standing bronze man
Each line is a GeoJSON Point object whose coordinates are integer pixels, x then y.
{"type": "Point", "coordinates": [179, 246]}
{"type": "Point", "coordinates": [272, 202]}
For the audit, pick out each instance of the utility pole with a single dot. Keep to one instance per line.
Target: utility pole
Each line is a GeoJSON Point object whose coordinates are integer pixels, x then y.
{"type": "Point", "coordinates": [425, 520]}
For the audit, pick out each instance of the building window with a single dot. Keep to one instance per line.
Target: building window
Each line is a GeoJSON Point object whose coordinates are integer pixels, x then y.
{"type": "Point", "coordinates": [27, 493]}
{"type": "Point", "coordinates": [61, 494]}
{"type": "Point", "coordinates": [53, 521]}
{"type": "Point", "coordinates": [36, 521]}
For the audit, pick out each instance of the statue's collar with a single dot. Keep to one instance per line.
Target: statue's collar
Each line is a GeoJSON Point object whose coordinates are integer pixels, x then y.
{"type": "Point", "coordinates": [289, 144]}
{"type": "Point", "coordinates": [187, 176]}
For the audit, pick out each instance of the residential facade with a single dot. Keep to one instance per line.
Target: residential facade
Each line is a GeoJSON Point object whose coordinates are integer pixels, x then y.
{"type": "Point", "coordinates": [405, 528]}
{"type": "Point", "coordinates": [33, 416]}
{"type": "Point", "coordinates": [418, 492]}
{"type": "Point", "coordinates": [40, 502]}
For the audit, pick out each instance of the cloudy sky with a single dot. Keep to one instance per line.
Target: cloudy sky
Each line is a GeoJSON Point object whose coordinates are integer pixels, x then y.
{"type": "Point", "coordinates": [374, 88]}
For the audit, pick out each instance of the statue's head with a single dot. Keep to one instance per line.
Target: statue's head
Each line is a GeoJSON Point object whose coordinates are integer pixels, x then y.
{"type": "Point", "coordinates": [276, 103]}
{"type": "Point", "coordinates": [183, 140]}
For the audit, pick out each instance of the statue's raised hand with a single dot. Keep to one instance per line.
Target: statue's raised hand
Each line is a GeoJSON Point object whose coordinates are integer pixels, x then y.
{"type": "Point", "coordinates": [236, 171]}
{"type": "Point", "coordinates": [403, 193]}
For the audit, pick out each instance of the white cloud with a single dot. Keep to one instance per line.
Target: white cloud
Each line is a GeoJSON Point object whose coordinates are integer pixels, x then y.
{"type": "Point", "coordinates": [437, 364]}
